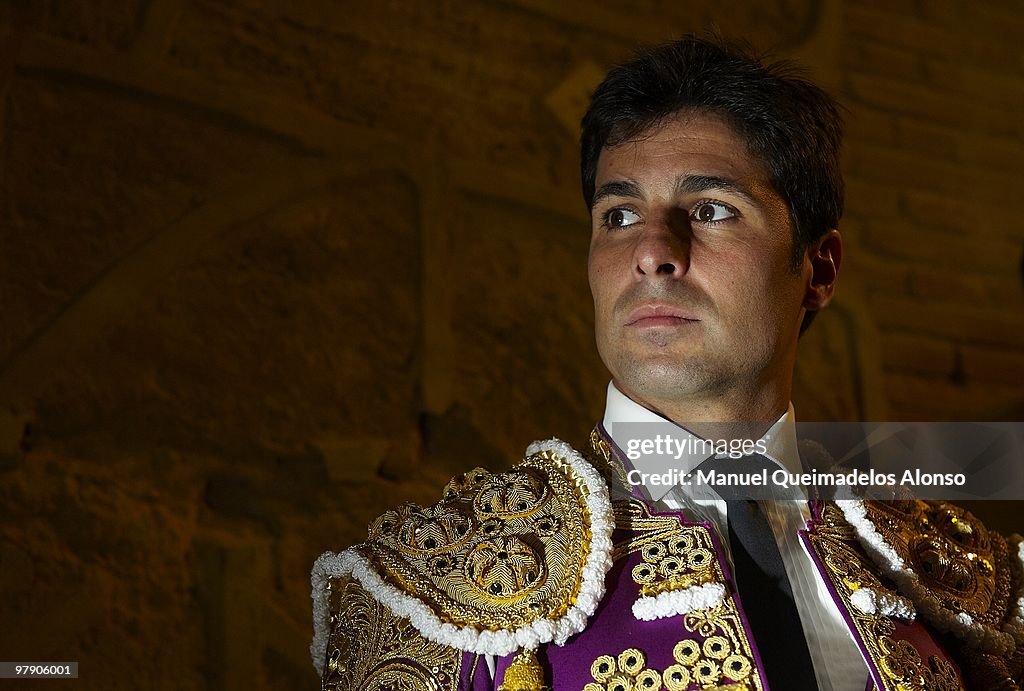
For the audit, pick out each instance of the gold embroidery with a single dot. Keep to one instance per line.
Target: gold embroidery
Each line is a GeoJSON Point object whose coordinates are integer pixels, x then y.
{"type": "Point", "coordinates": [737, 667]}
{"type": "Point", "coordinates": [631, 661]}
{"type": "Point", "coordinates": [957, 559]}
{"type": "Point", "coordinates": [524, 674]}
{"type": "Point", "coordinates": [512, 494]}
{"type": "Point", "coordinates": [944, 676]}
{"type": "Point", "coordinates": [686, 652]}
{"type": "Point", "coordinates": [674, 556]}
{"type": "Point", "coordinates": [726, 651]}
{"type": "Point", "coordinates": [603, 668]}
{"type": "Point", "coordinates": [678, 556]}
{"type": "Point", "coordinates": [604, 459]}
{"type": "Point", "coordinates": [676, 583]}
{"type": "Point", "coordinates": [628, 671]}
{"type": "Point", "coordinates": [504, 567]}
{"type": "Point", "coordinates": [369, 648]}
{"type": "Point", "coordinates": [834, 541]}
{"type": "Point", "coordinates": [500, 550]}
{"type": "Point", "coordinates": [673, 562]}
{"type": "Point", "coordinates": [717, 647]}
{"type": "Point", "coordinates": [706, 672]}
{"type": "Point", "coordinates": [676, 678]}
{"type": "Point", "coordinates": [902, 664]}
{"type": "Point", "coordinates": [900, 661]}
{"type": "Point", "coordinates": [988, 671]}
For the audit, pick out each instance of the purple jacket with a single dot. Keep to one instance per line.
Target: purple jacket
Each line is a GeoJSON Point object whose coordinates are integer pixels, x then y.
{"type": "Point", "coordinates": [572, 583]}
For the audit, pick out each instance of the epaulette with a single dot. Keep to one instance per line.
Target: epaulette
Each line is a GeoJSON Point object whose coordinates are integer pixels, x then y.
{"type": "Point", "coordinates": [960, 577]}
{"type": "Point", "coordinates": [504, 562]}
{"type": "Point", "coordinates": [898, 564]}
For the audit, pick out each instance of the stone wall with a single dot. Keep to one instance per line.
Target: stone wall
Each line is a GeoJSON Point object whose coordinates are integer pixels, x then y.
{"type": "Point", "coordinates": [267, 271]}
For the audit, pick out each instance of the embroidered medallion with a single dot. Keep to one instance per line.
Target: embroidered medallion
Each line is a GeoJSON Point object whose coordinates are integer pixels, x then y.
{"type": "Point", "coordinates": [478, 559]}
{"type": "Point", "coordinates": [958, 574]}
{"type": "Point", "coordinates": [504, 562]}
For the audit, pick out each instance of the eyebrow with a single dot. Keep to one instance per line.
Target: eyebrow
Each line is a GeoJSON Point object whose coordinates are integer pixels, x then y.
{"type": "Point", "coordinates": [688, 184]}
{"type": "Point", "coordinates": [616, 188]}
{"type": "Point", "coordinates": [695, 184]}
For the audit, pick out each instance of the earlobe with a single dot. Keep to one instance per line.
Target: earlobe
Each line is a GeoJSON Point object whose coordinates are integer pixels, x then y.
{"type": "Point", "coordinates": [825, 256]}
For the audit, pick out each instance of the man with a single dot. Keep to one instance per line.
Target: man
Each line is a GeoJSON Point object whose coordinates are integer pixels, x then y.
{"type": "Point", "coordinates": [715, 195]}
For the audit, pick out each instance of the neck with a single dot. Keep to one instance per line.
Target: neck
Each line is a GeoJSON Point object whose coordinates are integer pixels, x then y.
{"type": "Point", "coordinates": [726, 415]}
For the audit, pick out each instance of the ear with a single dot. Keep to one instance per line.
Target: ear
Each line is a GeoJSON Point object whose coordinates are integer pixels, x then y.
{"type": "Point", "coordinates": [825, 256]}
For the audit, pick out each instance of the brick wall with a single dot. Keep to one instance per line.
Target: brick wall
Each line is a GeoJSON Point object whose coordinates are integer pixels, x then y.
{"type": "Point", "coordinates": [266, 272]}
{"type": "Point", "coordinates": [933, 157]}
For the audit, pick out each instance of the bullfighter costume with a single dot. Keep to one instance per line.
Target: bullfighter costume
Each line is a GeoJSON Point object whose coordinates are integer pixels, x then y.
{"type": "Point", "coordinates": [563, 582]}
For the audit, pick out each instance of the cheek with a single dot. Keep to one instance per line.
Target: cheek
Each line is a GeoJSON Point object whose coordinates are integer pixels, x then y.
{"type": "Point", "coordinates": [754, 286]}
{"type": "Point", "coordinates": [735, 278]}
{"type": "Point", "coordinates": [595, 287]}
{"type": "Point", "coordinates": [599, 277]}
{"type": "Point", "coordinates": [781, 303]}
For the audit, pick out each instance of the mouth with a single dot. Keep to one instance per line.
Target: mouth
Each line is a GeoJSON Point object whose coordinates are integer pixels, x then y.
{"type": "Point", "coordinates": [659, 315]}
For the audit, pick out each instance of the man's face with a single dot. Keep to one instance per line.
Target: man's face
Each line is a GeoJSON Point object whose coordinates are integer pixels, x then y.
{"type": "Point", "coordinates": [695, 294]}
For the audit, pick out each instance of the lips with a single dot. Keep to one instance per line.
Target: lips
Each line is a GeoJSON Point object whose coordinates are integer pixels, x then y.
{"type": "Point", "coordinates": [659, 314]}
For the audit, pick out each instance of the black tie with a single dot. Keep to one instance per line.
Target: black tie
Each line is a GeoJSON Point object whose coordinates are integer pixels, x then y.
{"type": "Point", "coordinates": [761, 578]}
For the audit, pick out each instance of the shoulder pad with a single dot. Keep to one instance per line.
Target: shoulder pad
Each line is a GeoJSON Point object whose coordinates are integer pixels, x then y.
{"type": "Point", "coordinates": [503, 561]}
{"type": "Point", "coordinates": [961, 577]}
{"type": "Point", "coordinates": [368, 647]}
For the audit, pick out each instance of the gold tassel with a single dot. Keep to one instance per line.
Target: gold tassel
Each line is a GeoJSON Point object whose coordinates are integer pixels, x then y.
{"type": "Point", "coordinates": [524, 674]}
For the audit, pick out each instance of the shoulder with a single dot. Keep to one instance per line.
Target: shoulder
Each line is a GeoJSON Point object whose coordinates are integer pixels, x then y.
{"type": "Point", "coordinates": [500, 562]}
{"type": "Point", "coordinates": [961, 576]}
{"type": "Point", "coordinates": [364, 645]}
{"type": "Point", "coordinates": [932, 562]}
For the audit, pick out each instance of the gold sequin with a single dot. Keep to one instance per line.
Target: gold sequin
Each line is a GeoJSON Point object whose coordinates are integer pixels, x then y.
{"type": "Point", "coordinates": [603, 668]}
{"type": "Point", "coordinates": [706, 672]}
{"type": "Point", "coordinates": [736, 667]}
{"type": "Point", "coordinates": [686, 652]}
{"type": "Point", "coordinates": [676, 678]}
{"type": "Point", "coordinates": [631, 661]}
{"type": "Point", "coordinates": [716, 647]}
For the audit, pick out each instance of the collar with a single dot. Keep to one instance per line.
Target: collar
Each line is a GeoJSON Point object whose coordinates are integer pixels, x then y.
{"type": "Point", "coordinates": [780, 439]}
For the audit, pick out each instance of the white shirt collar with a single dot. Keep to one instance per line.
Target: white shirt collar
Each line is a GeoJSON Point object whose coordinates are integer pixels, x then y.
{"type": "Point", "coordinates": [780, 439]}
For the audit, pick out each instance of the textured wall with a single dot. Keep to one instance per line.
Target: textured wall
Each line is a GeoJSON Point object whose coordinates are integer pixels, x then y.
{"type": "Point", "coordinates": [267, 271]}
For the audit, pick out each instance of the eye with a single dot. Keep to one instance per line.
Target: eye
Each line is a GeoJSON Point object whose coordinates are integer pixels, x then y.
{"type": "Point", "coordinates": [620, 218]}
{"type": "Point", "coordinates": [712, 212]}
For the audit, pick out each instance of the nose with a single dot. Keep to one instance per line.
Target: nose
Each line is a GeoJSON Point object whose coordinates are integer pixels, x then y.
{"type": "Point", "coordinates": [662, 250]}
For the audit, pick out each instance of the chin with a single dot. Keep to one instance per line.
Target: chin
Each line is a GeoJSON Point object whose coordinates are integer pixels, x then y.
{"type": "Point", "coordinates": [667, 379]}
